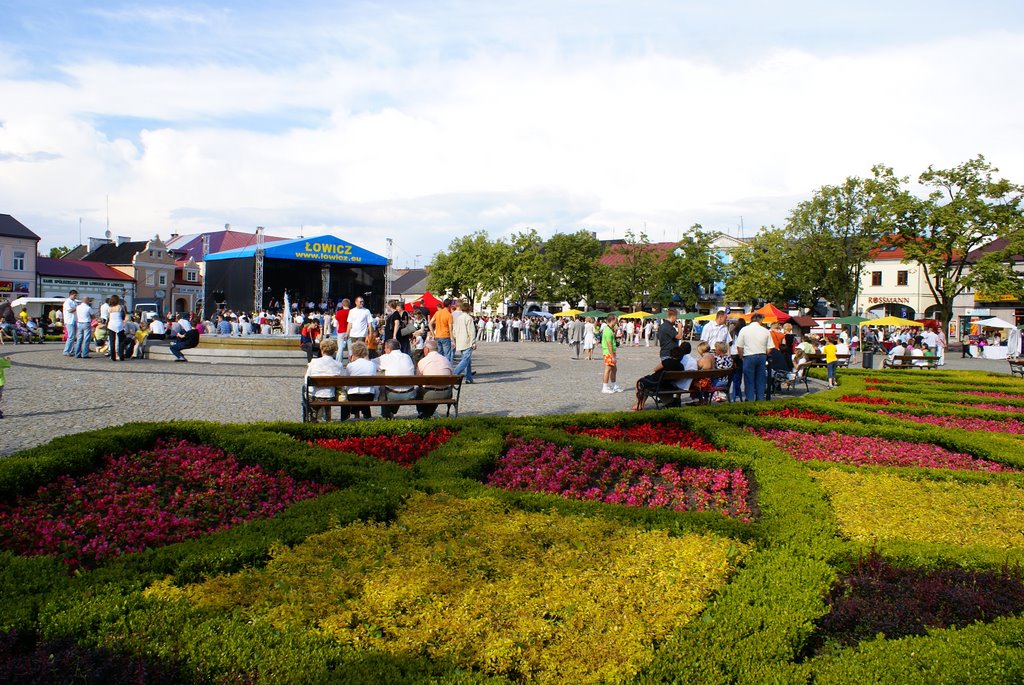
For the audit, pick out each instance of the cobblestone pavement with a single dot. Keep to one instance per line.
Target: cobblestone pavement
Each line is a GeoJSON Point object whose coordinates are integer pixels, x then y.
{"type": "Point", "coordinates": [48, 394]}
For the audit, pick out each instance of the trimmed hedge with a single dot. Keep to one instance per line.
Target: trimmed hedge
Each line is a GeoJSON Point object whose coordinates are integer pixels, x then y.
{"type": "Point", "coordinates": [758, 628]}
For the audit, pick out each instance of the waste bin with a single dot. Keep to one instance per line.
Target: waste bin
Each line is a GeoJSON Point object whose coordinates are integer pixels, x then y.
{"type": "Point", "coordinates": [869, 359]}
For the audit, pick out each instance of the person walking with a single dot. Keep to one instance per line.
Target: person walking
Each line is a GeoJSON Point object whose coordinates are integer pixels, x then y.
{"type": "Point", "coordinates": [576, 330]}
{"type": "Point", "coordinates": [462, 337]}
{"type": "Point", "coordinates": [753, 344]}
{"type": "Point", "coordinates": [608, 349]}
{"type": "Point", "coordinates": [441, 329]}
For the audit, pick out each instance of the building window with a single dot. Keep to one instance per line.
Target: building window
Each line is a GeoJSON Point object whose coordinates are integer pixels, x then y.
{"type": "Point", "coordinates": [901, 278]}
{"type": "Point", "coordinates": [191, 276]}
{"type": "Point", "coordinates": [876, 278]}
{"type": "Point", "coordinates": [149, 278]}
{"type": "Point", "coordinates": [163, 278]}
{"type": "Point", "coordinates": [18, 261]}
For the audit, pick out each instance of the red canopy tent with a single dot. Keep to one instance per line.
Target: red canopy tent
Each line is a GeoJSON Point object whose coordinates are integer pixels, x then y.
{"type": "Point", "coordinates": [427, 301]}
{"type": "Point", "coordinates": [772, 313]}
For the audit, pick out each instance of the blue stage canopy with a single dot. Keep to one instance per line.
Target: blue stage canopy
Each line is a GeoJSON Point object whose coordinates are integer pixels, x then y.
{"type": "Point", "coordinates": [325, 248]}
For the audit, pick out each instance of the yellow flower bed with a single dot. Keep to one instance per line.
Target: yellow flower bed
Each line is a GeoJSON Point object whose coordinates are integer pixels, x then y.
{"type": "Point", "coordinates": [537, 596]}
{"type": "Point", "coordinates": [873, 506]}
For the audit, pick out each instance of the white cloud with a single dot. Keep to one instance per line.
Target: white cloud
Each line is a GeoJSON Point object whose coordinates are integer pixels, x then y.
{"type": "Point", "coordinates": [498, 141]}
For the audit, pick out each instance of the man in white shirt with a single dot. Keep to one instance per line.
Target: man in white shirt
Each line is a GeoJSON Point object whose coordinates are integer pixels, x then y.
{"type": "Point", "coordinates": [105, 310]}
{"type": "Point", "coordinates": [716, 331]}
{"type": "Point", "coordinates": [394, 362]}
{"type": "Point", "coordinates": [324, 365]}
{"type": "Point", "coordinates": [359, 322]}
{"type": "Point", "coordinates": [753, 343]}
{"type": "Point", "coordinates": [897, 351]}
{"type": "Point", "coordinates": [70, 322]}
{"type": "Point", "coordinates": [83, 322]}
{"type": "Point", "coordinates": [157, 330]}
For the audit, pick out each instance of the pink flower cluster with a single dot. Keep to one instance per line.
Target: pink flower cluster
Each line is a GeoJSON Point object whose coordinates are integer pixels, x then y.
{"type": "Point", "coordinates": [650, 433]}
{"type": "Point", "coordinates": [962, 422]}
{"type": "Point", "coordinates": [870, 451]}
{"type": "Point", "coordinates": [992, 393]}
{"type": "Point", "coordinates": [596, 475]}
{"type": "Point", "coordinates": [997, 407]}
{"type": "Point", "coordinates": [177, 490]}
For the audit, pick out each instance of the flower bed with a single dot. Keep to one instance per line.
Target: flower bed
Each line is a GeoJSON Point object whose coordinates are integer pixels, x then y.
{"type": "Point", "coordinates": [870, 451]}
{"type": "Point", "coordinates": [532, 596]}
{"type": "Point", "coordinates": [877, 597]}
{"type": "Point", "coordinates": [404, 449]}
{"type": "Point", "coordinates": [864, 399]}
{"type": "Point", "coordinates": [650, 433]}
{"type": "Point", "coordinates": [877, 507]}
{"type": "Point", "coordinates": [992, 393]}
{"type": "Point", "coordinates": [177, 490]}
{"type": "Point", "coordinates": [962, 422]}
{"type": "Point", "coordinates": [998, 407]}
{"type": "Point", "coordinates": [539, 466]}
{"type": "Point", "coordinates": [797, 413]}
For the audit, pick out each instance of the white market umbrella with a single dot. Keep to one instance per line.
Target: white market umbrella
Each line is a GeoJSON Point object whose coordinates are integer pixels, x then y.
{"type": "Point", "coordinates": [993, 323]}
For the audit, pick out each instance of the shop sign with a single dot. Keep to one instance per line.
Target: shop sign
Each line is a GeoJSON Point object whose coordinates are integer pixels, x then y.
{"type": "Point", "coordinates": [888, 300]}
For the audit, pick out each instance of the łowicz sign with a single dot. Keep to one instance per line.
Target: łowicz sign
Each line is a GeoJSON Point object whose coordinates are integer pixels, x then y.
{"type": "Point", "coordinates": [325, 248]}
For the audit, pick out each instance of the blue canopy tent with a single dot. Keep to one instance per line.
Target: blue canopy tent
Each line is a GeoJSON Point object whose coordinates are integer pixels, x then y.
{"type": "Point", "coordinates": [310, 269]}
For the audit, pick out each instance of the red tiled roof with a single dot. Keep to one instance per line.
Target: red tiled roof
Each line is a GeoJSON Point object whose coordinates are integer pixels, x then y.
{"type": "Point", "coordinates": [615, 257]}
{"type": "Point", "coordinates": [192, 245]}
{"type": "Point", "coordinates": [45, 266]}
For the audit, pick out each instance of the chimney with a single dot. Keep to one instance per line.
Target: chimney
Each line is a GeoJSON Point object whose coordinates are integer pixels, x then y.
{"type": "Point", "coordinates": [94, 243]}
{"type": "Point", "coordinates": [122, 239]}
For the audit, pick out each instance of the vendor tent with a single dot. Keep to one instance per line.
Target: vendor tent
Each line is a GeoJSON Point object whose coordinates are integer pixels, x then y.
{"type": "Point", "coordinates": [772, 313]}
{"type": "Point", "coordinates": [893, 321]}
{"type": "Point", "coordinates": [426, 301]}
{"type": "Point", "coordinates": [636, 315]}
{"type": "Point", "coordinates": [849, 320]}
{"type": "Point", "coordinates": [994, 322]}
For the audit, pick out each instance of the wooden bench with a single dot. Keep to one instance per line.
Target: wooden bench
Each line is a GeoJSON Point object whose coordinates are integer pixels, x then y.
{"type": "Point", "coordinates": [311, 403]}
{"type": "Point", "coordinates": [665, 396]}
{"type": "Point", "coordinates": [907, 361]}
{"type": "Point", "coordinates": [1016, 366]}
{"type": "Point", "coordinates": [817, 360]}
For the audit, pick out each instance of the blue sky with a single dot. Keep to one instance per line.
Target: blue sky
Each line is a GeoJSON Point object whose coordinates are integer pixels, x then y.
{"type": "Point", "coordinates": [421, 121]}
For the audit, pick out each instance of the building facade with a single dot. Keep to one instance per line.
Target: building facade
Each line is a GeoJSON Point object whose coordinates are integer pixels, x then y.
{"type": "Point", "coordinates": [18, 249]}
{"type": "Point", "coordinates": [55, 277]}
{"type": "Point", "coordinates": [889, 287]}
{"type": "Point", "coordinates": [149, 263]}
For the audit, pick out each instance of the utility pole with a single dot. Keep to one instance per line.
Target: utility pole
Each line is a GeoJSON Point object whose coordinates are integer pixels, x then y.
{"type": "Point", "coordinates": [206, 251]}
{"type": "Point", "coordinates": [258, 286]}
{"type": "Point", "coordinates": [387, 271]}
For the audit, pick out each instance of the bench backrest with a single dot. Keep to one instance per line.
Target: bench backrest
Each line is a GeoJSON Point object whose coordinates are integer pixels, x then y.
{"type": "Point", "coordinates": [910, 359]}
{"type": "Point", "coordinates": [700, 373]}
{"type": "Point", "coordinates": [392, 381]}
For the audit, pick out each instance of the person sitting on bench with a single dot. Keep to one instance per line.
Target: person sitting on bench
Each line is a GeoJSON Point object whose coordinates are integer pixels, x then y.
{"type": "Point", "coordinates": [433, 364]}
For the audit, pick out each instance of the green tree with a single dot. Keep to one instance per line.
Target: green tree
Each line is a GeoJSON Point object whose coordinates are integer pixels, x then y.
{"type": "Point", "coordinates": [465, 269]}
{"type": "Point", "coordinates": [967, 208]}
{"type": "Point", "coordinates": [58, 252]}
{"type": "Point", "coordinates": [694, 263]}
{"type": "Point", "coordinates": [520, 268]}
{"type": "Point", "coordinates": [633, 274]}
{"type": "Point", "coordinates": [571, 261]}
{"type": "Point", "coordinates": [836, 230]}
{"type": "Point", "coordinates": [770, 267]}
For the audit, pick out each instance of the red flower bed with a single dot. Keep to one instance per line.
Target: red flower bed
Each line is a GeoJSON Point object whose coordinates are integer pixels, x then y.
{"type": "Point", "coordinates": [406, 449]}
{"type": "Point", "coordinates": [876, 597]}
{"type": "Point", "coordinates": [992, 393]}
{"type": "Point", "coordinates": [796, 413]}
{"type": "Point", "coordinates": [596, 475]}
{"type": "Point", "coordinates": [962, 422]}
{"type": "Point", "coordinates": [177, 490]}
{"type": "Point", "coordinates": [650, 433]}
{"type": "Point", "coordinates": [881, 381]}
{"type": "Point", "coordinates": [869, 451]}
{"type": "Point", "coordinates": [864, 399]}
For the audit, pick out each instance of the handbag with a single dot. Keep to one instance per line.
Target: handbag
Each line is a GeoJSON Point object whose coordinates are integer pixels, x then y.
{"type": "Point", "coordinates": [408, 329]}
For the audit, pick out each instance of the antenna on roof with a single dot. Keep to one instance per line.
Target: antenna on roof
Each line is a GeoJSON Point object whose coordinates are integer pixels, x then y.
{"type": "Point", "coordinates": [108, 215]}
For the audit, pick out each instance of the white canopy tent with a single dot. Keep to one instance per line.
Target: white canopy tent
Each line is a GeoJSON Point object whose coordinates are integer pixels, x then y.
{"type": "Point", "coordinates": [23, 301]}
{"type": "Point", "coordinates": [994, 322]}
